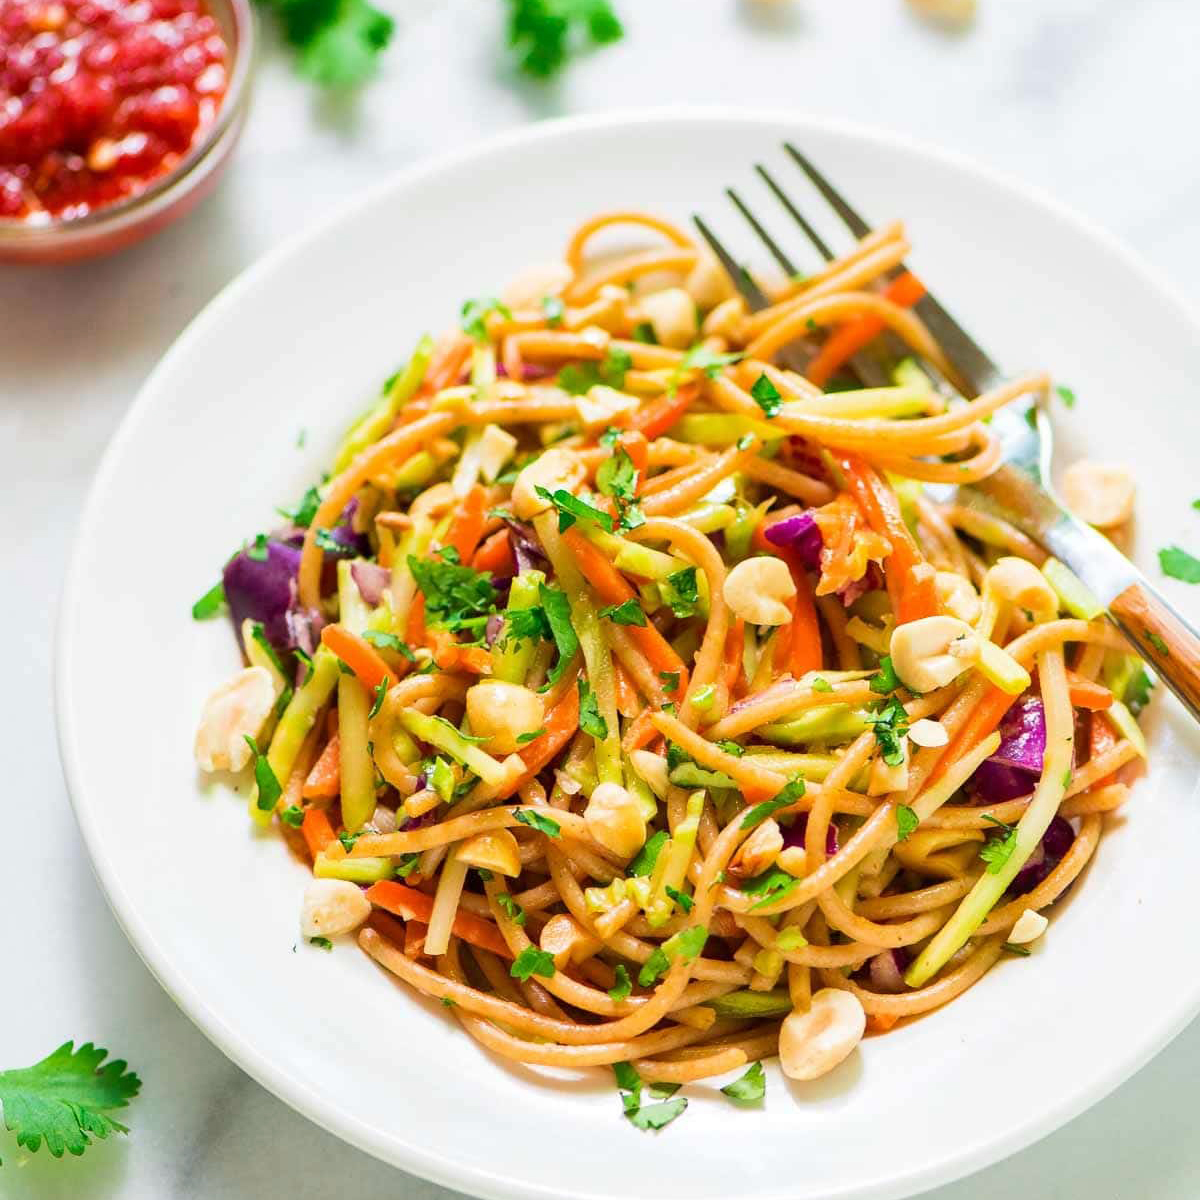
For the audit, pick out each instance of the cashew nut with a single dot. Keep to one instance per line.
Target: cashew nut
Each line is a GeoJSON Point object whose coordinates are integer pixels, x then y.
{"type": "Point", "coordinates": [928, 733]}
{"type": "Point", "coordinates": [567, 941]}
{"type": "Point", "coordinates": [707, 283]}
{"type": "Point", "coordinates": [759, 850]}
{"type": "Point", "coordinates": [331, 907]}
{"type": "Point", "coordinates": [543, 279]}
{"type": "Point", "coordinates": [615, 819]}
{"type": "Point", "coordinates": [672, 316]}
{"type": "Point", "coordinates": [812, 1043]}
{"type": "Point", "coordinates": [501, 712]}
{"type": "Point", "coordinates": [758, 589]}
{"type": "Point", "coordinates": [1020, 583]}
{"type": "Point", "coordinates": [957, 596]}
{"type": "Point", "coordinates": [238, 709]}
{"type": "Point", "coordinates": [1029, 927]}
{"type": "Point", "coordinates": [932, 652]}
{"type": "Point", "coordinates": [1101, 493]}
{"type": "Point", "coordinates": [496, 850]}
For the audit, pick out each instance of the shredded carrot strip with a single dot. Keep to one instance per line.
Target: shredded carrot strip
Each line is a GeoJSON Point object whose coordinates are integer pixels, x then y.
{"type": "Point", "coordinates": [495, 554]}
{"type": "Point", "coordinates": [641, 732]}
{"type": "Point", "coordinates": [1101, 739]}
{"type": "Point", "coordinates": [628, 701]}
{"type": "Point", "coordinates": [467, 526]}
{"type": "Point", "coordinates": [987, 715]}
{"type": "Point", "coordinates": [910, 579]}
{"type": "Point", "coordinates": [325, 779]}
{"type": "Point", "coordinates": [848, 339]}
{"type": "Point", "coordinates": [360, 656]}
{"type": "Point", "coordinates": [734, 642]}
{"type": "Point", "coordinates": [560, 725]}
{"type": "Point", "coordinates": [1085, 693]}
{"type": "Point", "coordinates": [412, 905]}
{"type": "Point", "coordinates": [317, 832]}
{"type": "Point", "coordinates": [654, 419]}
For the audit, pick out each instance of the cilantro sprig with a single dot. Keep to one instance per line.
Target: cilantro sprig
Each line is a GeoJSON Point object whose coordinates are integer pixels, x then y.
{"type": "Point", "coordinates": [546, 34]}
{"type": "Point", "coordinates": [64, 1100]}
{"type": "Point", "coordinates": [337, 42]}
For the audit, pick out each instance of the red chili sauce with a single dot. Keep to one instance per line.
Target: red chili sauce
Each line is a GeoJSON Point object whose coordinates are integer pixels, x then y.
{"type": "Point", "coordinates": [100, 97]}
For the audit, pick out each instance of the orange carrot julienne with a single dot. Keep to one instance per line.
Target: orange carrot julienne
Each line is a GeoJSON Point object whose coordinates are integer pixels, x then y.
{"type": "Point", "coordinates": [848, 339]}
{"type": "Point", "coordinates": [1101, 738]}
{"type": "Point", "coordinates": [495, 554]}
{"type": "Point", "coordinates": [359, 655]}
{"type": "Point", "coordinates": [985, 718]}
{"type": "Point", "coordinates": [412, 905]}
{"type": "Point", "coordinates": [634, 443]}
{"type": "Point", "coordinates": [641, 732]}
{"type": "Point", "coordinates": [1085, 693]}
{"type": "Point", "coordinates": [734, 643]}
{"type": "Point", "coordinates": [628, 701]}
{"type": "Point", "coordinates": [317, 831]}
{"type": "Point", "coordinates": [655, 418]}
{"type": "Point", "coordinates": [805, 653]}
{"type": "Point", "coordinates": [325, 779]}
{"type": "Point", "coordinates": [467, 527]}
{"type": "Point", "coordinates": [415, 632]}
{"type": "Point", "coordinates": [910, 579]}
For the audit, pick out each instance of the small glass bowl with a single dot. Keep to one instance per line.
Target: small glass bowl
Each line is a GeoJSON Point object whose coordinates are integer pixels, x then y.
{"type": "Point", "coordinates": [163, 200]}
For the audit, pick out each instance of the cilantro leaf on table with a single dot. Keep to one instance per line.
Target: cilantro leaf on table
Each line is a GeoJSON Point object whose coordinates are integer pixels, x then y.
{"type": "Point", "coordinates": [546, 34]}
{"type": "Point", "coordinates": [64, 1099]}
{"type": "Point", "coordinates": [750, 1088]}
{"type": "Point", "coordinates": [1179, 564]}
{"type": "Point", "coordinates": [337, 41]}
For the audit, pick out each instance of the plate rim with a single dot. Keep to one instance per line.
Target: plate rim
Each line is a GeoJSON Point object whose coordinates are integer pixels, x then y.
{"type": "Point", "coordinates": [279, 1080]}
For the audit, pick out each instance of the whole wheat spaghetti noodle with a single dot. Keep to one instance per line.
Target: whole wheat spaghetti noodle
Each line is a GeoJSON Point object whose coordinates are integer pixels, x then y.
{"type": "Point", "coordinates": [631, 695]}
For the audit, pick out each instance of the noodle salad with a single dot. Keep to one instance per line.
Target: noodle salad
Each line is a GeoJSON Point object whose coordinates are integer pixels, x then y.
{"type": "Point", "coordinates": [627, 692]}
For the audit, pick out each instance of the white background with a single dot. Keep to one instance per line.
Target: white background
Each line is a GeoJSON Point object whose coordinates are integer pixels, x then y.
{"type": "Point", "coordinates": [1093, 100]}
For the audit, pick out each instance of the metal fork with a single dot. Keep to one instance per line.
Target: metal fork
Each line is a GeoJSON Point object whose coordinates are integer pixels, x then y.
{"type": "Point", "coordinates": [1019, 491]}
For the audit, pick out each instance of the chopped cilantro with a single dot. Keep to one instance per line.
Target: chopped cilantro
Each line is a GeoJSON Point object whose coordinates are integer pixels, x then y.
{"type": "Point", "coordinates": [996, 851]}
{"type": "Point", "coordinates": [535, 820]}
{"type": "Point", "coordinates": [210, 603]}
{"type": "Point", "coordinates": [453, 593]}
{"type": "Point", "coordinates": [304, 512]}
{"type": "Point", "coordinates": [590, 720]}
{"type": "Point", "coordinates": [628, 612]}
{"type": "Point", "coordinates": [617, 476]}
{"type": "Point", "coordinates": [624, 985]}
{"type": "Point", "coordinates": [326, 540]}
{"type": "Point", "coordinates": [1066, 395]}
{"type": "Point", "coordinates": [670, 680]}
{"type": "Point", "coordinates": [406, 866]}
{"type": "Point", "coordinates": [321, 943]}
{"type": "Point", "coordinates": [571, 509]}
{"type": "Point", "coordinates": [771, 885]}
{"type": "Point", "coordinates": [389, 641]}
{"type": "Point", "coordinates": [890, 724]}
{"type": "Point", "coordinates": [887, 680]}
{"type": "Point", "coordinates": [380, 692]}
{"type": "Point", "coordinates": [292, 815]}
{"type": "Point", "coordinates": [1137, 690]}
{"type": "Point", "coordinates": [524, 739]}
{"type": "Point", "coordinates": [475, 313]}
{"type": "Point", "coordinates": [348, 839]}
{"type": "Point", "coordinates": [259, 550]}
{"type": "Point", "coordinates": [681, 592]}
{"type": "Point", "coordinates": [767, 396]}
{"type": "Point", "coordinates": [512, 910]}
{"type": "Point", "coordinates": [545, 34]}
{"type": "Point", "coordinates": [557, 609]}
{"type": "Point", "coordinates": [579, 378]}
{"type": "Point", "coordinates": [657, 1116]}
{"type": "Point", "coordinates": [336, 43]}
{"type": "Point", "coordinates": [821, 684]}
{"type": "Point", "coordinates": [1013, 948]}
{"type": "Point", "coordinates": [681, 898]}
{"type": "Point", "coordinates": [65, 1099]}
{"type": "Point", "coordinates": [906, 821]}
{"type": "Point", "coordinates": [643, 861]}
{"type": "Point", "coordinates": [731, 747]}
{"type": "Point", "coordinates": [259, 636]}
{"type": "Point", "coordinates": [1179, 564]}
{"type": "Point", "coordinates": [532, 961]}
{"type": "Point", "coordinates": [701, 358]}
{"type": "Point", "coordinates": [750, 1088]}
{"type": "Point", "coordinates": [790, 793]}
{"type": "Point", "coordinates": [643, 332]}
{"type": "Point", "coordinates": [554, 308]}
{"type": "Point", "coordinates": [269, 790]}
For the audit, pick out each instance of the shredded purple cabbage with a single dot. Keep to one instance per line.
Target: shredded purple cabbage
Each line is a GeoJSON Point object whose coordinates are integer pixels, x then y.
{"type": "Point", "coordinates": [1056, 841]}
{"type": "Point", "coordinates": [1015, 767]}
{"type": "Point", "coordinates": [799, 533]}
{"type": "Point", "coordinates": [793, 835]}
{"type": "Point", "coordinates": [264, 590]}
{"type": "Point", "coordinates": [527, 550]}
{"type": "Point", "coordinates": [371, 580]}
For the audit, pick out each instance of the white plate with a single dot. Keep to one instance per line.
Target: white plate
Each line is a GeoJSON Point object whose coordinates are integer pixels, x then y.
{"type": "Point", "coordinates": [301, 342]}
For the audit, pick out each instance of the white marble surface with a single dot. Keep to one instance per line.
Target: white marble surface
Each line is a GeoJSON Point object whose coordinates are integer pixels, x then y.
{"type": "Point", "coordinates": [1090, 99]}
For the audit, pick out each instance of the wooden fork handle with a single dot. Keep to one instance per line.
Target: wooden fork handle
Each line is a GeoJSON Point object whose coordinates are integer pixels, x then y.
{"type": "Point", "coordinates": [1163, 638]}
